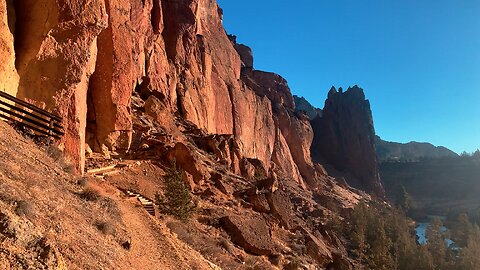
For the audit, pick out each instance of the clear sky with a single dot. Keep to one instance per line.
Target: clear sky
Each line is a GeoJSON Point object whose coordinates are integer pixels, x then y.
{"type": "Point", "coordinates": [417, 60]}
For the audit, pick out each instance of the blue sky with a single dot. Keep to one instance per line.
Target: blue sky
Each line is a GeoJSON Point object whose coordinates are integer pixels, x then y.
{"type": "Point", "coordinates": [417, 60]}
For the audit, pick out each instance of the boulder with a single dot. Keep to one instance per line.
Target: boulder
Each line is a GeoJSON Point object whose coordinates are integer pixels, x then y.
{"type": "Point", "coordinates": [340, 262]}
{"type": "Point", "coordinates": [160, 114]}
{"type": "Point", "coordinates": [188, 161]}
{"type": "Point", "coordinates": [220, 183]}
{"type": "Point", "coordinates": [281, 208]}
{"type": "Point", "coordinates": [251, 232]}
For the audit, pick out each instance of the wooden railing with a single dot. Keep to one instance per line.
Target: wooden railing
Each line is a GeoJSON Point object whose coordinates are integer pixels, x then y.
{"type": "Point", "coordinates": [19, 112]}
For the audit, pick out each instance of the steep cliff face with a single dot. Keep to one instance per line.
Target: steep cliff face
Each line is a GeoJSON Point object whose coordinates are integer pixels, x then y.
{"type": "Point", "coordinates": [84, 60]}
{"type": "Point", "coordinates": [345, 138]}
{"type": "Point", "coordinates": [56, 49]}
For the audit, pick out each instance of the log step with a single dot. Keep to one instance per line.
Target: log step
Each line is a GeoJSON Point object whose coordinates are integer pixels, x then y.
{"type": "Point", "coordinates": [147, 204]}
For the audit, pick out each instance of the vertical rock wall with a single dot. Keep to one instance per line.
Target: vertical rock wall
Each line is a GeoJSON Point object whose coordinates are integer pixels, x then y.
{"type": "Point", "coordinates": [345, 138]}
{"type": "Point", "coordinates": [56, 47]}
{"type": "Point", "coordinates": [84, 59]}
{"type": "Point", "coordinates": [8, 72]}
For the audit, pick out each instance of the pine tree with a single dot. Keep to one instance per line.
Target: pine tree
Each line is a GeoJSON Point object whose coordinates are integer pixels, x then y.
{"type": "Point", "coordinates": [437, 246]}
{"type": "Point", "coordinates": [470, 254]}
{"type": "Point", "coordinates": [379, 256]}
{"type": "Point", "coordinates": [176, 199]}
{"type": "Point", "coordinates": [358, 230]}
{"type": "Point", "coordinates": [405, 201]}
{"type": "Point", "coordinates": [462, 230]}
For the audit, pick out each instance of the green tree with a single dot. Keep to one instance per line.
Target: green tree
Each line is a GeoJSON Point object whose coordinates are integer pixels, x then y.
{"type": "Point", "coordinates": [176, 200]}
{"type": "Point", "coordinates": [404, 200]}
{"type": "Point", "coordinates": [379, 256]}
{"type": "Point", "coordinates": [461, 230]}
{"type": "Point", "coordinates": [358, 229]}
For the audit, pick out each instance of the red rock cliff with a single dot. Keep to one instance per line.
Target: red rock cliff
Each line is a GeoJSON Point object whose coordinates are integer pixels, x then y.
{"type": "Point", "coordinates": [84, 59]}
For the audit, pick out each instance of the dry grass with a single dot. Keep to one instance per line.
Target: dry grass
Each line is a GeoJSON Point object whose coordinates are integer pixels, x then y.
{"type": "Point", "coordinates": [106, 227]}
{"type": "Point", "coordinates": [90, 194]}
{"type": "Point", "coordinates": [23, 208]}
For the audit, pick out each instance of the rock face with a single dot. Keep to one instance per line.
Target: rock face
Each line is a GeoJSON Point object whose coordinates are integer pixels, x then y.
{"type": "Point", "coordinates": [345, 138]}
{"type": "Point", "coordinates": [302, 105]}
{"type": "Point", "coordinates": [161, 78]}
{"type": "Point", "coordinates": [8, 73]}
{"type": "Point", "coordinates": [244, 51]}
{"type": "Point", "coordinates": [56, 50]}
{"type": "Point", "coordinates": [84, 59]}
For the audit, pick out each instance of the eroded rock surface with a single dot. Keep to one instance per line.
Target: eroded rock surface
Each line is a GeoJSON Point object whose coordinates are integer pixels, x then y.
{"type": "Point", "coordinates": [250, 232]}
{"type": "Point", "coordinates": [8, 73]}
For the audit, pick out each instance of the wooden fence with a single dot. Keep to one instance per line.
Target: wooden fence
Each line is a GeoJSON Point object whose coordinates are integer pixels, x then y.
{"type": "Point", "coordinates": [19, 112]}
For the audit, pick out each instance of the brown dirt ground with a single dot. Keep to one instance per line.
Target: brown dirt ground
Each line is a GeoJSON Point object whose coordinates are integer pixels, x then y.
{"type": "Point", "coordinates": [57, 212]}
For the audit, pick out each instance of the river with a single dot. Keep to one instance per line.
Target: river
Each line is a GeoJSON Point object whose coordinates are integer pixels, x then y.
{"type": "Point", "coordinates": [421, 231]}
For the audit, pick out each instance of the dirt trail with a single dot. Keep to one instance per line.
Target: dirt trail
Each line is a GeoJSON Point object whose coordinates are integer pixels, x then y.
{"type": "Point", "coordinates": [152, 245]}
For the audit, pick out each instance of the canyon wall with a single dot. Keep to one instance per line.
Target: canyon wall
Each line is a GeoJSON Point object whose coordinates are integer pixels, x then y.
{"type": "Point", "coordinates": [84, 59]}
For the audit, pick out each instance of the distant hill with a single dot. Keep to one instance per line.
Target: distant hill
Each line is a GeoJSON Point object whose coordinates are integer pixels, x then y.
{"type": "Point", "coordinates": [392, 151]}
{"type": "Point", "coordinates": [301, 104]}
{"type": "Point", "coordinates": [438, 186]}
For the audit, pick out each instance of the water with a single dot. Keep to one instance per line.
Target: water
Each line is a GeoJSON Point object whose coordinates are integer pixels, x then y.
{"type": "Point", "coordinates": [421, 231]}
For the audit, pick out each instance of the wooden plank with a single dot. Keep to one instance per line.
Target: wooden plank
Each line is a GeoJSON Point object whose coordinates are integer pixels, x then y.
{"type": "Point", "coordinates": [99, 170]}
{"type": "Point", "coordinates": [30, 114]}
{"type": "Point", "coordinates": [19, 116]}
{"type": "Point", "coordinates": [46, 133]}
{"type": "Point", "coordinates": [30, 106]}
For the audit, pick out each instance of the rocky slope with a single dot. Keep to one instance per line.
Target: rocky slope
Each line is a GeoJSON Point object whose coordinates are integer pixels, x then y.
{"type": "Point", "coordinates": [345, 138]}
{"type": "Point", "coordinates": [48, 222]}
{"type": "Point", "coordinates": [392, 151]}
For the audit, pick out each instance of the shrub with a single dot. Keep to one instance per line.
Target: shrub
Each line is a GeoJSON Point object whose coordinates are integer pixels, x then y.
{"type": "Point", "coordinates": [176, 200]}
{"type": "Point", "coordinates": [105, 227]}
{"type": "Point", "coordinates": [23, 208]}
{"type": "Point", "coordinates": [90, 194]}
{"type": "Point", "coordinates": [54, 152]}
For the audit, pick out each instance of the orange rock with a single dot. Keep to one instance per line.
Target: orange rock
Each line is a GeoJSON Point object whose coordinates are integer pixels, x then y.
{"type": "Point", "coordinates": [250, 232]}
{"type": "Point", "coordinates": [8, 73]}
{"type": "Point", "coordinates": [185, 159]}
{"type": "Point", "coordinates": [56, 47]}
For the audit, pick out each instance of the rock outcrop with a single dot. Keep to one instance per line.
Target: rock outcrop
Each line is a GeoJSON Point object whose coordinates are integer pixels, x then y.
{"type": "Point", "coordinates": [85, 60]}
{"type": "Point", "coordinates": [302, 105]}
{"type": "Point", "coordinates": [345, 138]}
{"type": "Point", "coordinates": [251, 233]}
{"type": "Point", "coordinates": [56, 50]}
